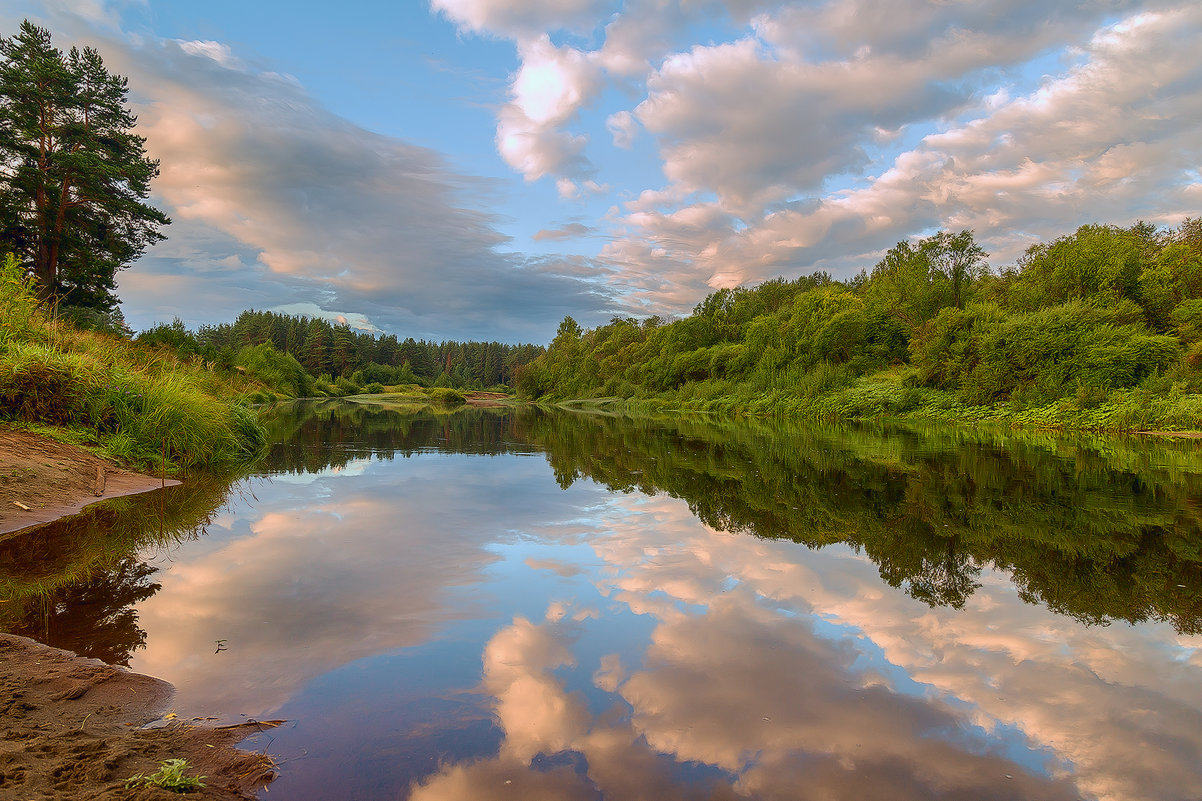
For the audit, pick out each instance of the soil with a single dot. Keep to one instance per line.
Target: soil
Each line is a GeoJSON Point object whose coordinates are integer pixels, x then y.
{"type": "Point", "coordinates": [487, 398]}
{"type": "Point", "coordinates": [70, 728]}
{"type": "Point", "coordinates": [42, 480]}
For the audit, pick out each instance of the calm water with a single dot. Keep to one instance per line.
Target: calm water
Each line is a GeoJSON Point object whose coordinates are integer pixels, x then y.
{"type": "Point", "coordinates": [534, 606]}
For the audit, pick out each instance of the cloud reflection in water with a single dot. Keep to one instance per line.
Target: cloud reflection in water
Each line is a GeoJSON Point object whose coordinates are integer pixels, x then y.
{"type": "Point", "coordinates": [798, 675]}
{"type": "Point", "coordinates": [760, 668]}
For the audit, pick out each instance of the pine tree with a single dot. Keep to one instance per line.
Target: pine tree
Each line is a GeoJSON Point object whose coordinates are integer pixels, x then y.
{"type": "Point", "coordinates": [72, 175]}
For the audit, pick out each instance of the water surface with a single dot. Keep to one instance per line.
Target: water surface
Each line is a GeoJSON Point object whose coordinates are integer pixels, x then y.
{"type": "Point", "coordinates": [517, 604]}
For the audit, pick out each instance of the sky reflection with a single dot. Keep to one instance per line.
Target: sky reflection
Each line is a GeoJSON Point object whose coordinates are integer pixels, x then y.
{"type": "Point", "coordinates": [311, 575]}
{"type": "Point", "coordinates": [453, 626]}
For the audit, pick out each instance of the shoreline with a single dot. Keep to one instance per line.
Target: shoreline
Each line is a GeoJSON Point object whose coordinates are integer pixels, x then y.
{"type": "Point", "coordinates": [43, 480]}
{"type": "Point", "coordinates": [74, 728]}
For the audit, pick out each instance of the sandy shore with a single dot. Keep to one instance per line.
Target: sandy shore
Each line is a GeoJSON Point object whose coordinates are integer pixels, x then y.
{"type": "Point", "coordinates": [70, 727]}
{"type": "Point", "coordinates": [42, 480]}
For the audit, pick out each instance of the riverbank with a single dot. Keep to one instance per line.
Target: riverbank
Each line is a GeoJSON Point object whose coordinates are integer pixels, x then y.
{"type": "Point", "coordinates": [72, 731]}
{"type": "Point", "coordinates": [71, 725]}
{"type": "Point", "coordinates": [42, 480]}
{"type": "Point", "coordinates": [887, 395]}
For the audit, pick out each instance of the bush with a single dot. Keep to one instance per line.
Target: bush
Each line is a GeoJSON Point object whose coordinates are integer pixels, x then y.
{"type": "Point", "coordinates": [984, 354]}
{"type": "Point", "coordinates": [280, 371]}
{"type": "Point", "coordinates": [447, 396]}
{"type": "Point", "coordinates": [344, 387]}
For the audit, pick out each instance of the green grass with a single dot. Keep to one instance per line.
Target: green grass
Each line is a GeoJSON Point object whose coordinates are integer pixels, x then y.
{"type": "Point", "coordinates": [829, 393]}
{"type": "Point", "coordinates": [170, 776]}
{"type": "Point", "coordinates": [135, 402]}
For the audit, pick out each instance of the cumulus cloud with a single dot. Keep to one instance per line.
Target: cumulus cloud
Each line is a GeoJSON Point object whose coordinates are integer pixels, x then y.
{"type": "Point", "coordinates": [735, 121]}
{"type": "Point", "coordinates": [1103, 141]}
{"type": "Point", "coordinates": [546, 93]}
{"type": "Point", "coordinates": [623, 126]}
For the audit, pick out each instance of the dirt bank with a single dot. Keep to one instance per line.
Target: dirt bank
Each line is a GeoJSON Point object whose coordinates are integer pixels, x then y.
{"type": "Point", "coordinates": [478, 398]}
{"type": "Point", "coordinates": [42, 480]}
{"type": "Point", "coordinates": [69, 729]}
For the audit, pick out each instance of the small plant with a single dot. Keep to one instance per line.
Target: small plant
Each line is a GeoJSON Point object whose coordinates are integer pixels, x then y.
{"type": "Point", "coordinates": [169, 776]}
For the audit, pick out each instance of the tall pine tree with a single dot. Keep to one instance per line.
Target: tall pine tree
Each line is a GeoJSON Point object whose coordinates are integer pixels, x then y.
{"type": "Point", "coordinates": [73, 176]}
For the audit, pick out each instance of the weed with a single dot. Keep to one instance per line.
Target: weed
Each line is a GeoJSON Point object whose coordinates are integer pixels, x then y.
{"type": "Point", "coordinates": [169, 776]}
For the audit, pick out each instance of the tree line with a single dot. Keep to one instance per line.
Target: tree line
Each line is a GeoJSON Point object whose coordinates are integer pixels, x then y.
{"type": "Point", "coordinates": [1095, 317]}
{"type": "Point", "coordinates": [288, 349]}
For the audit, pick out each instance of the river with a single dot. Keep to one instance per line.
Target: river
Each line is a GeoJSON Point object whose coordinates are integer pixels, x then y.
{"type": "Point", "coordinates": [527, 604]}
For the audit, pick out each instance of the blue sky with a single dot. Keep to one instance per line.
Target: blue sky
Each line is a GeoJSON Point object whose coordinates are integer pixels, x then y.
{"type": "Point", "coordinates": [481, 168]}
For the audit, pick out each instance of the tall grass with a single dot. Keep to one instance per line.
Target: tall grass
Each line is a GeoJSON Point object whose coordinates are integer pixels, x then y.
{"type": "Point", "coordinates": [137, 403]}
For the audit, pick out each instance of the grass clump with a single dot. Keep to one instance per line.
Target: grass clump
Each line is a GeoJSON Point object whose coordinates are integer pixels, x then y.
{"type": "Point", "coordinates": [136, 402]}
{"type": "Point", "coordinates": [446, 396]}
{"type": "Point", "coordinates": [170, 776]}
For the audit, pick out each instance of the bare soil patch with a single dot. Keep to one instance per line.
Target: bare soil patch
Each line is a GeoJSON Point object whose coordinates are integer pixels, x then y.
{"type": "Point", "coordinates": [487, 398]}
{"type": "Point", "coordinates": [70, 729]}
{"type": "Point", "coordinates": [42, 480]}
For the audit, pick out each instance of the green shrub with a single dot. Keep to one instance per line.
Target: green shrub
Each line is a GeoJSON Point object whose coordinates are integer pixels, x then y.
{"type": "Point", "coordinates": [280, 371]}
{"type": "Point", "coordinates": [344, 387]}
{"type": "Point", "coordinates": [447, 396]}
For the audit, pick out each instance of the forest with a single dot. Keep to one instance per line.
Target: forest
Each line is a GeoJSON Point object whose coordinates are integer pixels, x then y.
{"type": "Point", "coordinates": [1101, 328]}
{"type": "Point", "coordinates": [304, 357]}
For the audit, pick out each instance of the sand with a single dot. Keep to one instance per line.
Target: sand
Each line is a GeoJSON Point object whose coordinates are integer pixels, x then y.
{"type": "Point", "coordinates": [42, 480]}
{"type": "Point", "coordinates": [70, 727]}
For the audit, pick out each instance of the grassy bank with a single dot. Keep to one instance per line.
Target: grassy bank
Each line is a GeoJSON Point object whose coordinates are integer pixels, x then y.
{"type": "Point", "coordinates": [1155, 405]}
{"type": "Point", "coordinates": [133, 403]}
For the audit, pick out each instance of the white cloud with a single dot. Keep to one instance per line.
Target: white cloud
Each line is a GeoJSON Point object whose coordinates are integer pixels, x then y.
{"type": "Point", "coordinates": [1108, 140]}
{"type": "Point", "coordinates": [624, 128]}
{"type": "Point", "coordinates": [546, 93]}
{"type": "Point", "coordinates": [529, 17]}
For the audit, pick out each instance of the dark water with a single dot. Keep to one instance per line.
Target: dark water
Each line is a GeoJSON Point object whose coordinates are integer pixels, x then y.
{"type": "Point", "coordinates": [542, 606]}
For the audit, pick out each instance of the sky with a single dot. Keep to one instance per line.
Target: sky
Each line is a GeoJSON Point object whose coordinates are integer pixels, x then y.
{"type": "Point", "coordinates": [479, 169]}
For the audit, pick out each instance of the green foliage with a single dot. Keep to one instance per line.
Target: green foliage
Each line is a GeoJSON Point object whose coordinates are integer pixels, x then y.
{"type": "Point", "coordinates": [122, 396]}
{"type": "Point", "coordinates": [344, 387]}
{"type": "Point", "coordinates": [171, 775]}
{"type": "Point", "coordinates": [1068, 337]}
{"type": "Point", "coordinates": [75, 176]}
{"type": "Point", "coordinates": [1098, 261]}
{"type": "Point", "coordinates": [18, 304]}
{"type": "Point", "coordinates": [280, 371]}
{"type": "Point", "coordinates": [447, 397]}
{"type": "Point", "coordinates": [984, 355]}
